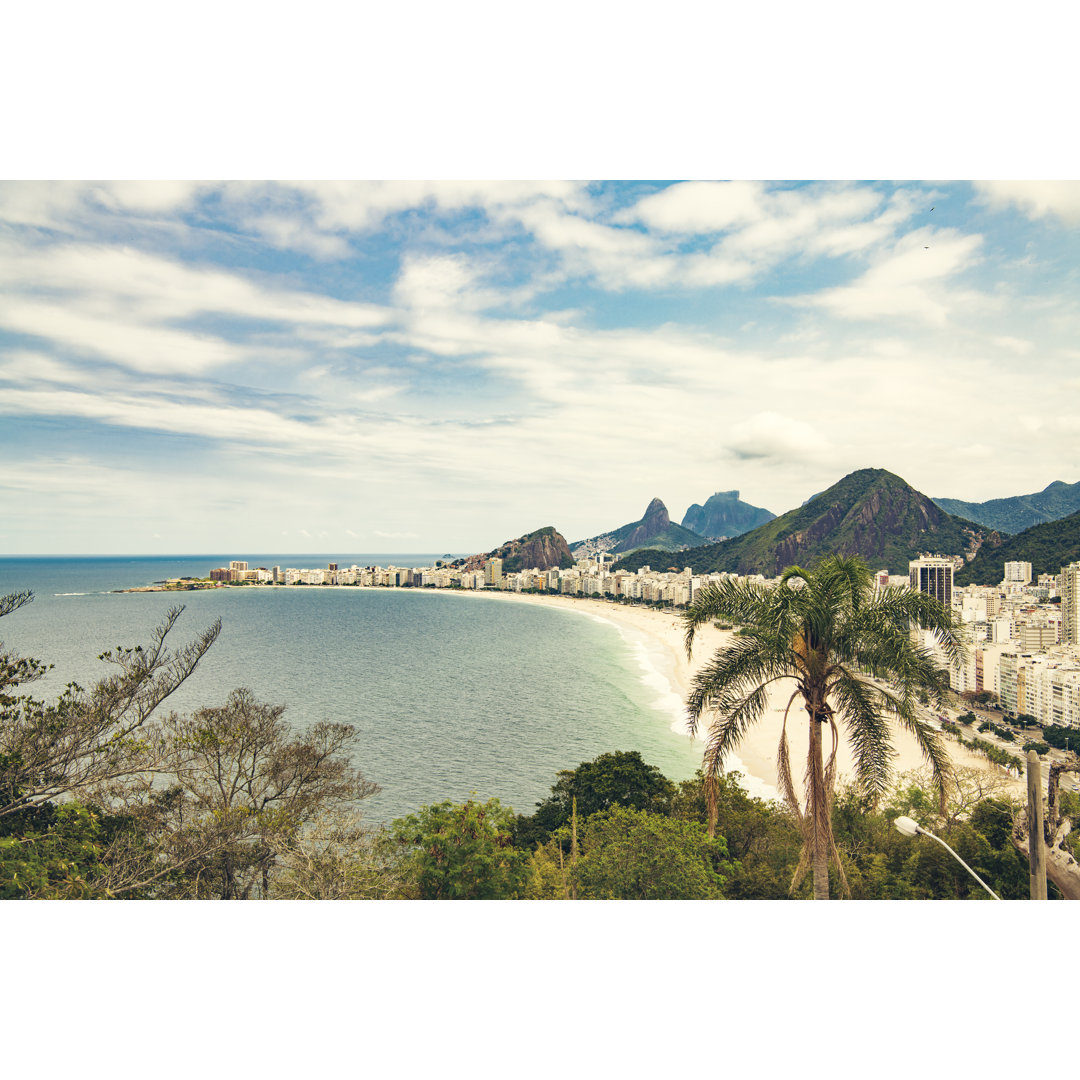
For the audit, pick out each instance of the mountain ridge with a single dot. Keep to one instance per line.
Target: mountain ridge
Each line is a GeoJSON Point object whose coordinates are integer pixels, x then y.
{"type": "Point", "coordinates": [1015, 513]}
{"type": "Point", "coordinates": [870, 512]}
{"type": "Point", "coordinates": [654, 528]}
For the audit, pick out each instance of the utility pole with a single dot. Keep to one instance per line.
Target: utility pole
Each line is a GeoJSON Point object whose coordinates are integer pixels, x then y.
{"type": "Point", "coordinates": [1036, 842]}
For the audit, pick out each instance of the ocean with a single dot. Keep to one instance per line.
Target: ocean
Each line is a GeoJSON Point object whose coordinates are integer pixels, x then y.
{"type": "Point", "coordinates": [453, 695]}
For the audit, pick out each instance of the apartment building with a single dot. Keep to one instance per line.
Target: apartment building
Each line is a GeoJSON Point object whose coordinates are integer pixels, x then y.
{"type": "Point", "coordinates": [933, 576]}
{"type": "Point", "coordinates": [1069, 588]}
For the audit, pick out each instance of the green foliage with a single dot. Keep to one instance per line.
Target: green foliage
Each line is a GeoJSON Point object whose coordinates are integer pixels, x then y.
{"type": "Point", "coordinates": [1018, 512]}
{"type": "Point", "coordinates": [1040, 748]}
{"type": "Point", "coordinates": [462, 851]}
{"type": "Point", "coordinates": [967, 718]}
{"type": "Point", "coordinates": [57, 852]}
{"type": "Point", "coordinates": [881, 863]}
{"type": "Point", "coordinates": [995, 754]}
{"type": "Point", "coordinates": [1062, 738]}
{"type": "Point", "coordinates": [630, 854]}
{"type": "Point", "coordinates": [762, 837]}
{"type": "Point", "coordinates": [621, 778]}
{"type": "Point", "coordinates": [1048, 547]}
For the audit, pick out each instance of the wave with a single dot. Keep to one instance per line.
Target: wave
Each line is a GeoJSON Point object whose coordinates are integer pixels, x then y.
{"type": "Point", "coordinates": [668, 700]}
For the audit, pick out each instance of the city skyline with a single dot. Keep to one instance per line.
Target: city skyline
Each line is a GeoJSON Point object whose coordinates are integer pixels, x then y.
{"type": "Point", "coordinates": [424, 365]}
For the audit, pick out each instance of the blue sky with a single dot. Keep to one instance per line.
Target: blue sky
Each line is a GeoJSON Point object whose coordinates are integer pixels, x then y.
{"type": "Point", "coordinates": [411, 366]}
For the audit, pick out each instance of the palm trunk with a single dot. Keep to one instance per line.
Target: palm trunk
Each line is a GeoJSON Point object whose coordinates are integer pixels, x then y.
{"type": "Point", "coordinates": [817, 809]}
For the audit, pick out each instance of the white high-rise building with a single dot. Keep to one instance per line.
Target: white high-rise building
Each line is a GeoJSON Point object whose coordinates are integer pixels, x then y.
{"type": "Point", "coordinates": [1017, 573]}
{"type": "Point", "coordinates": [1069, 588]}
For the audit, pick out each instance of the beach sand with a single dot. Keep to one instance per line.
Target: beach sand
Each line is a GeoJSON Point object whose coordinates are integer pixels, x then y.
{"type": "Point", "coordinates": [756, 754]}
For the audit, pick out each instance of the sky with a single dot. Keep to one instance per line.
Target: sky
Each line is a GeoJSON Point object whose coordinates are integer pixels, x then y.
{"type": "Point", "coordinates": [443, 365]}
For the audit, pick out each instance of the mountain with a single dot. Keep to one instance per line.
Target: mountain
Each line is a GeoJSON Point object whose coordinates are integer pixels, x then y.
{"type": "Point", "coordinates": [654, 529]}
{"type": "Point", "coordinates": [544, 549]}
{"type": "Point", "coordinates": [872, 513]}
{"type": "Point", "coordinates": [1048, 547]}
{"type": "Point", "coordinates": [1019, 512]}
{"type": "Point", "coordinates": [724, 515]}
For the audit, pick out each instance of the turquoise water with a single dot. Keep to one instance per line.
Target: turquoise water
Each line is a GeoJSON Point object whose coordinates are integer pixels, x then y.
{"type": "Point", "coordinates": [451, 694]}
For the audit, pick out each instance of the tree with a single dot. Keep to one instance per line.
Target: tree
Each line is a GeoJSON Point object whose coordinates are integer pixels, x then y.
{"type": "Point", "coordinates": [763, 840]}
{"type": "Point", "coordinates": [842, 644]}
{"type": "Point", "coordinates": [630, 854]}
{"type": "Point", "coordinates": [55, 852]}
{"type": "Point", "coordinates": [621, 778]}
{"type": "Point", "coordinates": [462, 851]}
{"type": "Point", "coordinates": [242, 787]}
{"type": "Point", "coordinates": [87, 738]}
{"type": "Point", "coordinates": [338, 857]}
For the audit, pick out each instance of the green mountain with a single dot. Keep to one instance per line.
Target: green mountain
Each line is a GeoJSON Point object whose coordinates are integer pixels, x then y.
{"type": "Point", "coordinates": [1019, 512]}
{"type": "Point", "coordinates": [654, 530]}
{"type": "Point", "coordinates": [1048, 547]}
{"type": "Point", "coordinates": [724, 515]}
{"type": "Point", "coordinates": [872, 513]}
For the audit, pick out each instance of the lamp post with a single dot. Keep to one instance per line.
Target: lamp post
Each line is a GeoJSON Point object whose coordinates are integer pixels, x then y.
{"type": "Point", "coordinates": [913, 828]}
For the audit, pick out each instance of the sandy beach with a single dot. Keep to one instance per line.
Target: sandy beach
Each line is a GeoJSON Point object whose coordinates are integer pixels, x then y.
{"type": "Point", "coordinates": [756, 755]}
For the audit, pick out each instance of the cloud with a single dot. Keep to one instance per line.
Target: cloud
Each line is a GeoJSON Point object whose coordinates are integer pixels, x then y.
{"type": "Point", "coordinates": [123, 305]}
{"type": "Point", "coordinates": [1036, 198]}
{"type": "Point", "coordinates": [906, 281]}
{"type": "Point", "coordinates": [700, 206]}
{"type": "Point", "coordinates": [73, 206]}
{"type": "Point", "coordinates": [119, 280]}
{"type": "Point", "coordinates": [294, 234]}
{"type": "Point", "coordinates": [776, 439]}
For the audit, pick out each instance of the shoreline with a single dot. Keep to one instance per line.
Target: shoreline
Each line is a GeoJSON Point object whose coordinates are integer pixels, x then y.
{"type": "Point", "coordinates": [756, 755]}
{"type": "Point", "coordinates": [656, 638]}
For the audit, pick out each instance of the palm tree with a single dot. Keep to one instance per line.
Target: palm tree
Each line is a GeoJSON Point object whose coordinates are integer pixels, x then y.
{"type": "Point", "coordinates": [853, 657]}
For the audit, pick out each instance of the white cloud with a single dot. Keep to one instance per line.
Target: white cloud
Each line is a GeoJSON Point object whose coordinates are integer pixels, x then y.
{"type": "Point", "coordinates": [143, 348]}
{"type": "Point", "coordinates": [71, 205]}
{"type": "Point", "coordinates": [907, 281]}
{"type": "Point", "coordinates": [698, 206]}
{"type": "Point", "coordinates": [776, 438]}
{"type": "Point", "coordinates": [1036, 198]}
{"type": "Point", "coordinates": [291, 233]}
{"type": "Point", "coordinates": [359, 206]}
{"type": "Point", "coordinates": [122, 280]}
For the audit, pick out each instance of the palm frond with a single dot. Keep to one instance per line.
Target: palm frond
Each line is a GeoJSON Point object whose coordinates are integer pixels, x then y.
{"type": "Point", "coordinates": [861, 707]}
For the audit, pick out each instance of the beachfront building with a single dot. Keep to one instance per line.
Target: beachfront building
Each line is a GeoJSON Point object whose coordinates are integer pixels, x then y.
{"type": "Point", "coordinates": [591, 578]}
{"type": "Point", "coordinates": [1043, 685]}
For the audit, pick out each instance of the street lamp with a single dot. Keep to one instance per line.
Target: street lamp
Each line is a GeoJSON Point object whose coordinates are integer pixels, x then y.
{"type": "Point", "coordinates": [913, 828]}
